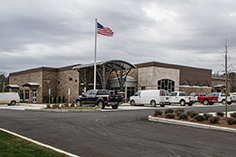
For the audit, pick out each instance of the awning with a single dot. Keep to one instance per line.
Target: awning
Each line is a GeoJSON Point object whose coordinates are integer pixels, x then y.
{"type": "Point", "coordinates": [219, 86]}
{"type": "Point", "coordinates": [12, 86]}
{"type": "Point", "coordinates": [104, 70]}
{"type": "Point", "coordinates": [30, 84]}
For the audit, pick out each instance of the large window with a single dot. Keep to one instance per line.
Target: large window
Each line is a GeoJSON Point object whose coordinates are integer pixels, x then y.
{"type": "Point", "coordinates": [21, 95]}
{"type": "Point", "coordinates": [166, 84]}
{"type": "Point", "coordinates": [205, 84]}
{"type": "Point", "coordinates": [196, 84]}
{"type": "Point", "coordinates": [26, 95]}
{"type": "Point", "coordinates": [185, 83]}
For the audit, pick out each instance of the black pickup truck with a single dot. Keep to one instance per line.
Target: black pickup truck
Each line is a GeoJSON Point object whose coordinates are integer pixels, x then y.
{"type": "Point", "coordinates": [99, 97]}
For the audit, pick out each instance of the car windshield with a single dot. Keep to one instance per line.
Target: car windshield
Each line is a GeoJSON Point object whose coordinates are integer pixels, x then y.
{"type": "Point", "coordinates": [182, 94]}
{"type": "Point", "coordinates": [173, 94]}
{"type": "Point", "coordinates": [192, 94]}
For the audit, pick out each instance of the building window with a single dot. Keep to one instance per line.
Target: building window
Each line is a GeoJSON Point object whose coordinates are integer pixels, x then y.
{"type": "Point", "coordinates": [166, 84]}
{"type": "Point", "coordinates": [21, 95]}
{"type": "Point", "coordinates": [185, 83]}
{"type": "Point", "coordinates": [196, 84]}
{"type": "Point", "coordinates": [75, 80]}
{"type": "Point", "coordinates": [205, 84]}
{"type": "Point", "coordinates": [58, 82]}
{"type": "Point", "coordinates": [27, 95]}
{"type": "Point", "coordinates": [70, 79]}
{"type": "Point", "coordinates": [143, 88]}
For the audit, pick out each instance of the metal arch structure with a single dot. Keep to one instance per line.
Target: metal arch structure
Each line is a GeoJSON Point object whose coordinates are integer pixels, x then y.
{"type": "Point", "coordinates": [104, 70]}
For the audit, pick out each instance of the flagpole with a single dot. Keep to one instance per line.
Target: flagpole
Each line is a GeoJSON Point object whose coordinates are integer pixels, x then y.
{"type": "Point", "coordinates": [95, 66]}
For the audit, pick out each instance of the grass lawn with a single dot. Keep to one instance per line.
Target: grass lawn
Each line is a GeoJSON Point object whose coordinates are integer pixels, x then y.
{"type": "Point", "coordinates": [12, 146]}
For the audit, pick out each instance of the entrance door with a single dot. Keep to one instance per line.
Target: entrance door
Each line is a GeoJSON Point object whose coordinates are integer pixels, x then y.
{"type": "Point", "coordinates": [34, 95]}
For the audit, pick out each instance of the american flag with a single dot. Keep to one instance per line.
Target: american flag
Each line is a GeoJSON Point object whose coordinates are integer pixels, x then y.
{"type": "Point", "coordinates": [104, 30]}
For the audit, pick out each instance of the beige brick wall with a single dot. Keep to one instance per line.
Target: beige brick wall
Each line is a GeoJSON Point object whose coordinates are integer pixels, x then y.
{"type": "Point", "coordinates": [21, 79]}
{"type": "Point", "coordinates": [65, 84]}
{"type": "Point", "coordinates": [149, 77]}
{"type": "Point", "coordinates": [49, 81]}
{"type": "Point", "coordinates": [190, 89]}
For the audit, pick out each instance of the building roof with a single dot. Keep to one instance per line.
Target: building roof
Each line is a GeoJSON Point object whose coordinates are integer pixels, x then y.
{"type": "Point", "coordinates": [166, 65]}
{"type": "Point", "coordinates": [115, 64]}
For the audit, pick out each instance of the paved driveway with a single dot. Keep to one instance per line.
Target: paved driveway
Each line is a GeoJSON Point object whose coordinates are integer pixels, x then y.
{"type": "Point", "coordinates": [122, 133]}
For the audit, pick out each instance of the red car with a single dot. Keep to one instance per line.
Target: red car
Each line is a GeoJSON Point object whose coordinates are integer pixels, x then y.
{"type": "Point", "coordinates": [202, 98]}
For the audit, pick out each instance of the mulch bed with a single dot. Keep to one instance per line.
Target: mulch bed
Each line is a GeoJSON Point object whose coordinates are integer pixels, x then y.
{"type": "Point", "coordinates": [222, 122]}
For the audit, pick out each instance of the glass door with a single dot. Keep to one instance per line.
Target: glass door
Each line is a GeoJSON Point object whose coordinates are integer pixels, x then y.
{"type": "Point", "coordinates": [34, 95]}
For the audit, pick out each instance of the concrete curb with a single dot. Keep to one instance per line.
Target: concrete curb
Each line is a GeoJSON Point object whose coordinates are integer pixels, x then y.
{"type": "Point", "coordinates": [64, 110]}
{"type": "Point", "coordinates": [39, 143]}
{"type": "Point", "coordinates": [190, 124]}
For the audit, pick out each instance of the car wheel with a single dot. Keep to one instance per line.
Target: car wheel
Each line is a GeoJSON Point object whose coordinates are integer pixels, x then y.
{"type": "Point", "coordinates": [78, 104]}
{"type": "Point", "coordinates": [229, 103]}
{"type": "Point", "coordinates": [13, 103]}
{"type": "Point", "coordinates": [205, 102]}
{"type": "Point", "coordinates": [223, 101]}
{"type": "Point", "coordinates": [132, 103]}
{"type": "Point", "coordinates": [190, 104]}
{"type": "Point", "coordinates": [153, 103]}
{"type": "Point", "coordinates": [182, 103]}
{"type": "Point", "coordinates": [101, 105]}
{"type": "Point", "coordinates": [162, 105]}
{"type": "Point", "coordinates": [115, 106]}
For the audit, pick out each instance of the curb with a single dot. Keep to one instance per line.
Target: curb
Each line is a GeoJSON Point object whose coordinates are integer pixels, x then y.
{"type": "Point", "coordinates": [190, 124]}
{"type": "Point", "coordinates": [64, 110]}
{"type": "Point", "coordinates": [39, 143]}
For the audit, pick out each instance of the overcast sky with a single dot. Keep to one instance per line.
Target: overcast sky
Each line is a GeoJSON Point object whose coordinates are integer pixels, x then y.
{"type": "Point", "coordinates": [58, 33]}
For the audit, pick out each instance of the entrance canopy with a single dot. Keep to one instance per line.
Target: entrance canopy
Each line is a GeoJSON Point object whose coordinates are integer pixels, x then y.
{"type": "Point", "coordinates": [104, 69]}
{"type": "Point", "coordinates": [12, 86]}
{"type": "Point", "coordinates": [30, 84]}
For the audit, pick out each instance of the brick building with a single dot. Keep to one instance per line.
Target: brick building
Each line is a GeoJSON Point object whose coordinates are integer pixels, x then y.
{"type": "Point", "coordinates": [34, 84]}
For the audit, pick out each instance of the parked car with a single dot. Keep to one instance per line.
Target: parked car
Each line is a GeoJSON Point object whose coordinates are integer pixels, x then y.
{"type": "Point", "coordinates": [180, 98]}
{"type": "Point", "coordinates": [233, 97]}
{"type": "Point", "coordinates": [152, 97]}
{"type": "Point", "coordinates": [10, 98]}
{"type": "Point", "coordinates": [202, 98]}
{"type": "Point", "coordinates": [99, 97]}
{"type": "Point", "coordinates": [221, 97]}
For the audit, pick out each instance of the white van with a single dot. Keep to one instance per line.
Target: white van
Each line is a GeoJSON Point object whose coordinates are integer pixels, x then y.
{"type": "Point", "coordinates": [152, 97]}
{"type": "Point", "coordinates": [10, 98]}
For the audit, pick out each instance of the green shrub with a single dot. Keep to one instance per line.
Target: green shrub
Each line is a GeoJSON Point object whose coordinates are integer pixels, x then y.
{"type": "Point", "coordinates": [158, 113]}
{"type": "Point", "coordinates": [45, 99]}
{"type": "Point", "coordinates": [55, 106]}
{"type": "Point", "coordinates": [170, 115]}
{"type": "Point", "coordinates": [192, 113]}
{"type": "Point", "coordinates": [220, 114]}
{"type": "Point", "coordinates": [214, 120]}
{"type": "Point", "coordinates": [54, 99]}
{"type": "Point", "coordinates": [233, 115]}
{"type": "Point", "coordinates": [66, 104]}
{"type": "Point", "coordinates": [59, 99]}
{"type": "Point", "coordinates": [180, 110]}
{"type": "Point", "coordinates": [183, 116]}
{"type": "Point", "coordinates": [169, 111]}
{"type": "Point", "coordinates": [207, 116]}
{"type": "Point", "coordinates": [62, 99]}
{"type": "Point", "coordinates": [231, 121]}
{"type": "Point", "coordinates": [178, 113]}
{"type": "Point", "coordinates": [200, 118]}
{"type": "Point", "coordinates": [72, 104]}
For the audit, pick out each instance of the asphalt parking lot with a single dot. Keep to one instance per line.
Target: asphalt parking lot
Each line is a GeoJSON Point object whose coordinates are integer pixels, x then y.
{"type": "Point", "coordinates": [122, 132]}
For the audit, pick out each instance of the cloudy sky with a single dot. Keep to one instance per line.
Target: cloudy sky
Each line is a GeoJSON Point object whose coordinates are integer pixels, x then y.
{"type": "Point", "coordinates": [57, 33]}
